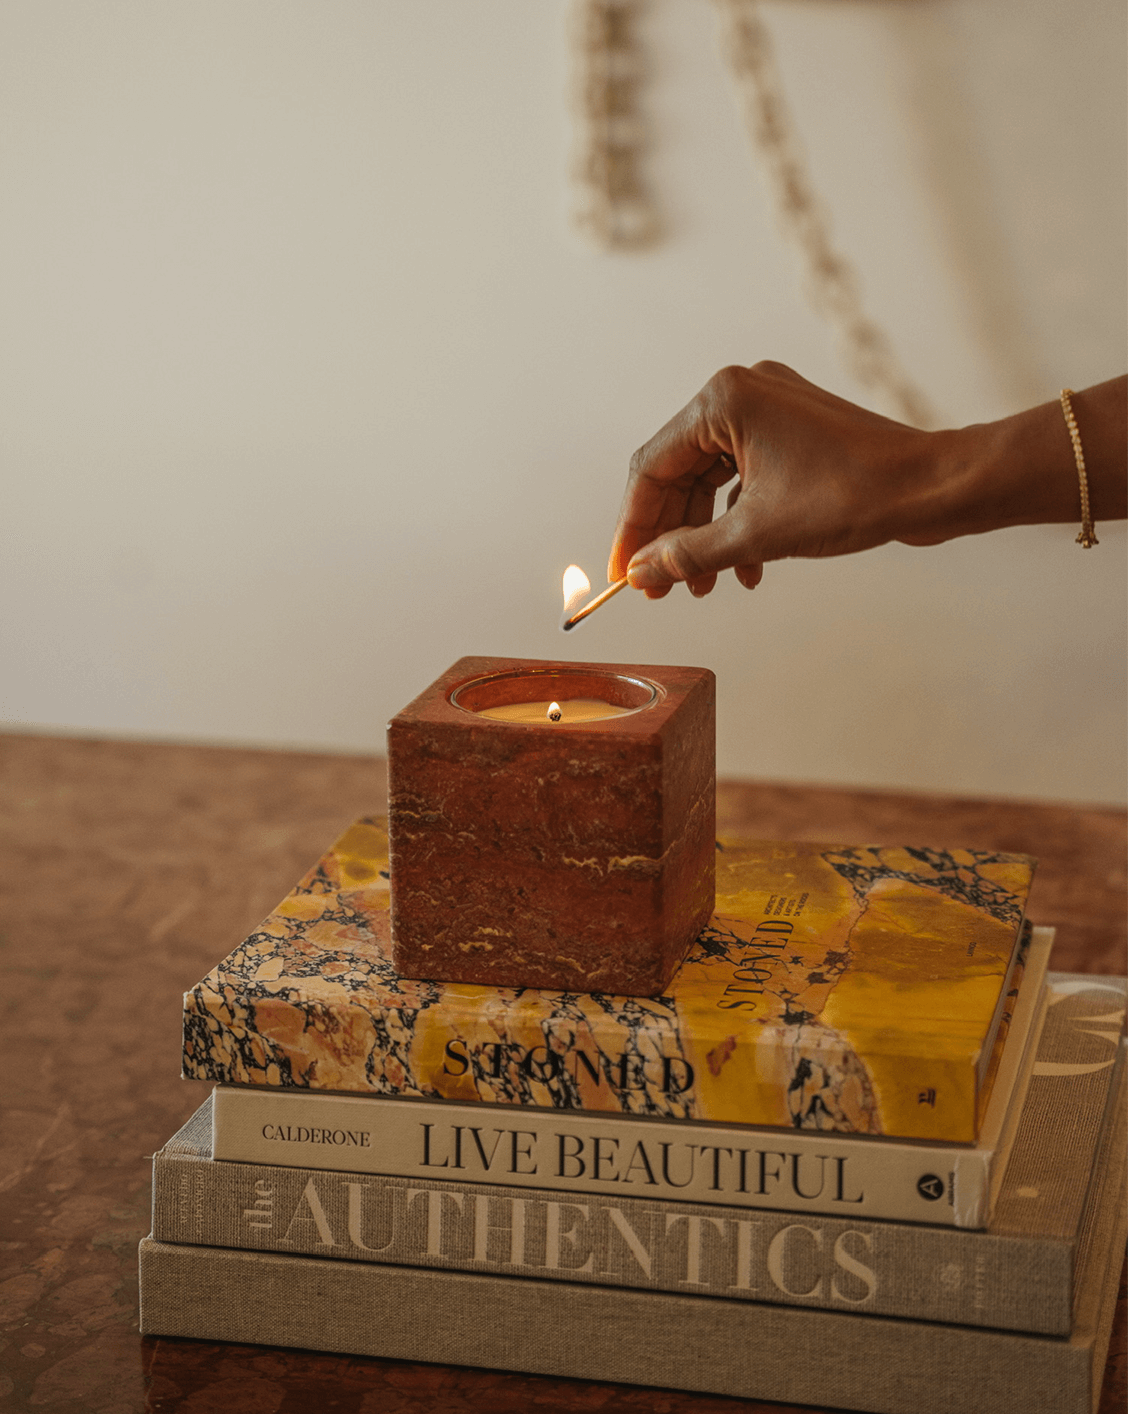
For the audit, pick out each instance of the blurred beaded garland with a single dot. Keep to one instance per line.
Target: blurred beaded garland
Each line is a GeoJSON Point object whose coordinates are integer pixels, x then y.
{"type": "Point", "coordinates": [615, 206]}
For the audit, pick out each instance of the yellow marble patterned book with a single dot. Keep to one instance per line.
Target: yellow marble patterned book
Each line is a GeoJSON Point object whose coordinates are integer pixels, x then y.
{"type": "Point", "coordinates": [851, 989]}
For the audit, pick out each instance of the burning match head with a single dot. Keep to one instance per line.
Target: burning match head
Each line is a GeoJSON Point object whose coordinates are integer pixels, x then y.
{"type": "Point", "coordinates": [576, 585]}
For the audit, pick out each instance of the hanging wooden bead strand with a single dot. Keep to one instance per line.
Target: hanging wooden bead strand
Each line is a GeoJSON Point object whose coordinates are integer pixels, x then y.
{"type": "Point", "coordinates": [832, 282]}
{"type": "Point", "coordinates": [613, 206]}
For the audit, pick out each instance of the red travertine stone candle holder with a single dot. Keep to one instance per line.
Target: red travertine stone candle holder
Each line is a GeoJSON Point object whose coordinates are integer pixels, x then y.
{"type": "Point", "coordinates": [572, 856]}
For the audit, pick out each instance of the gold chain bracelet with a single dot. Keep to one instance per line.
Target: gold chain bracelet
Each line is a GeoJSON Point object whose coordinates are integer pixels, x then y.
{"type": "Point", "coordinates": [1087, 537]}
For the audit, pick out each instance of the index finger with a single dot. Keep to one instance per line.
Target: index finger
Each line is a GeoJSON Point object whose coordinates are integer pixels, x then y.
{"type": "Point", "coordinates": [662, 473]}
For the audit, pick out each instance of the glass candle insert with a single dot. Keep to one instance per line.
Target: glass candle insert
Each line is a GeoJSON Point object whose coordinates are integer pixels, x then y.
{"type": "Point", "coordinates": [555, 698]}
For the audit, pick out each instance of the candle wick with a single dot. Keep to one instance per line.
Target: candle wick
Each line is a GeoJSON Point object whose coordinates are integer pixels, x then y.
{"type": "Point", "coordinates": [554, 712]}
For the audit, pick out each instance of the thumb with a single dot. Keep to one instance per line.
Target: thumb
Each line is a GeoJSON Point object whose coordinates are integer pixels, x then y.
{"type": "Point", "coordinates": [691, 552]}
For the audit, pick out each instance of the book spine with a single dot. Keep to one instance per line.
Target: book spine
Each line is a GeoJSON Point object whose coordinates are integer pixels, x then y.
{"type": "Point", "coordinates": [596, 1155]}
{"type": "Point", "coordinates": [936, 1274]}
{"type": "Point", "coordinates": [742, 1349]}
{"type": "Point", "coordinates": [608, 1063]}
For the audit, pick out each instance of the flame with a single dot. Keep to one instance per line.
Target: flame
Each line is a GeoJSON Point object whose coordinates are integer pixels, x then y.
{"type": "Point", "coordinates": [554, 713]}
{"type": "Point", "coordinates": [576, 587]}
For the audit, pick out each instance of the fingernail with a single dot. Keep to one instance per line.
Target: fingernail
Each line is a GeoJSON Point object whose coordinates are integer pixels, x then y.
{"type": "Point", "coordinates": [645, 576]}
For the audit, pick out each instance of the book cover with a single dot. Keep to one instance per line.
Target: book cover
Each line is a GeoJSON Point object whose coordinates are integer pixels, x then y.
{"type": "Point", "coordinates": [846, 989]}
{"type": "Point", "coordinates": [592, 1153]}
{"type": "Point", "coordinates": [1018, 1275]}
{"type": "Point", "coordinates": [747, 1349]}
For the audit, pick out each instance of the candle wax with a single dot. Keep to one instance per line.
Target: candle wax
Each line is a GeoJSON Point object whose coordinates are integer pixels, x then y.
{"type": "Point", "coordinates": [574, 709]}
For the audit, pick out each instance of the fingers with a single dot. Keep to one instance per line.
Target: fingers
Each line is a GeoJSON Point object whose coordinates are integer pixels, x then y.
{"type": "Point", "coordinates": [749, 575]}
{"type": "Point", "coordinates": [652, 506]}
{"type": "Point", "coordinates": [671, 478]}
{"type": "Point", "coordinates": [699, 512]}
{"type": "Point", "coordinates": [683, 507]}
{"type": "Point", "coordinates": [695, 554]}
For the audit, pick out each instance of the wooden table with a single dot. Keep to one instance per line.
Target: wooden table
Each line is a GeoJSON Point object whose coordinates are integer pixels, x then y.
{"type": "Point", "coordinates": [127, 871]}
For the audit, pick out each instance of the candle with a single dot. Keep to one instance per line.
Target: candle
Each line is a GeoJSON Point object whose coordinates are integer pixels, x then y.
{"type": "Point", "coordinates": [570, 709]}
{"type": "Point", "coordinates": [575, 855]}
{"type": "Point", "coordinates": [557, 697]}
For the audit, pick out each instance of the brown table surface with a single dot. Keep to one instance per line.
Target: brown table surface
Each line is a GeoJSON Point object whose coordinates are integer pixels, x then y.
{"type": "Point", "coordinates": [128, 869]}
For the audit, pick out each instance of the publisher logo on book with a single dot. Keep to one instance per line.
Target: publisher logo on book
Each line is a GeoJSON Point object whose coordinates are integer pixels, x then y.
{"type": "Point", "coordinates": [930, 1186]}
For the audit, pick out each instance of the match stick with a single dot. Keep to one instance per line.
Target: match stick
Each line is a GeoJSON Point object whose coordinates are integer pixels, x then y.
{"type": "Point", "coordinates": [593, 604]}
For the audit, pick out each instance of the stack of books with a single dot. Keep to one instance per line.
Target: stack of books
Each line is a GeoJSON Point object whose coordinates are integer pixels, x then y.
{"type": "Point", "coordinates": [865, 1153]}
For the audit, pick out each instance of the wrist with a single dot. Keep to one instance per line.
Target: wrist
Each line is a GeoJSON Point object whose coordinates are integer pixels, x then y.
{"type": "Point", "coordinates": [1017, 471]}
{"type": "Point", "coordinates": [948, 488]}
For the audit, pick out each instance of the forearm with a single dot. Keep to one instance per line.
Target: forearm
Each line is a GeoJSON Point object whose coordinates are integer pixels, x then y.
{"type": "Point", "coordinates": [1022, 471]}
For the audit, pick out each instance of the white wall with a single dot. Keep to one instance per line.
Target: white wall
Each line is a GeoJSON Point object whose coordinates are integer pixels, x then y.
{"type": "Point", "coordinates": [310, 391]}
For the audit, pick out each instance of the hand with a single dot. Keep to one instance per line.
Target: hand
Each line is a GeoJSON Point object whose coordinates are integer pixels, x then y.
{"type": "Point", "coordinates": [815, 476]}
